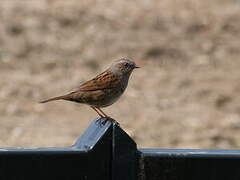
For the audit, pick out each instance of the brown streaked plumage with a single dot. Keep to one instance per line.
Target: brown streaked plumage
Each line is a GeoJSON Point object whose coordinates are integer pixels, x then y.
{"type": "Point", "coordinates": [104, 89]}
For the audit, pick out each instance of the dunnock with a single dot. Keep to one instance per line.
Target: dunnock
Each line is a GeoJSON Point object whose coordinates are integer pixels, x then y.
{"type": "Point", "coordinates": [103, 90]}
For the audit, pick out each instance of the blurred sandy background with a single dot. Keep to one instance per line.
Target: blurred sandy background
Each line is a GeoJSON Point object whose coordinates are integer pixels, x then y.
{"type": "Point", "coordinates": [185, 96]}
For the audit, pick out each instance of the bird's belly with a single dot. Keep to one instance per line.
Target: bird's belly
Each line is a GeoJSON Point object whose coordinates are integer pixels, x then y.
{"type": "Point", "coordinates": [110, 101]}
{"type": "Point", "coordinates": [110, 98]}
{"type": "Point", "coordinates": [104, 98]}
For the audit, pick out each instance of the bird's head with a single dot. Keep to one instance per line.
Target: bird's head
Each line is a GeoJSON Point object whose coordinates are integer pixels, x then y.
{"type": "Point", "coordinates": [123, 66]}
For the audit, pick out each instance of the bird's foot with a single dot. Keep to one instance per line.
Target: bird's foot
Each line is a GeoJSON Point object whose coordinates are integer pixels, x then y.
{"type": "Point", "coordinates": [113, 121]}
{"type": "Point", "coordinates": [104, 120]}
{"type": "Point", "coordinates": [101, 121]}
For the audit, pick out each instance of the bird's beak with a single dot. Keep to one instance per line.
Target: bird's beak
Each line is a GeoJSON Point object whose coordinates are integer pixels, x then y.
{"type": "Point", "coordinates": [137, 67]}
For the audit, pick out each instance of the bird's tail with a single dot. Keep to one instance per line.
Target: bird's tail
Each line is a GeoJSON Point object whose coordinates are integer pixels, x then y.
{"type": "Point", "coordinates": [53, 99]}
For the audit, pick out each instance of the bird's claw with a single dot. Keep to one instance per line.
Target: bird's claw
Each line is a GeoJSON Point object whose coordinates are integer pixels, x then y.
{"type": "Point", "coordinates": [104, 120]}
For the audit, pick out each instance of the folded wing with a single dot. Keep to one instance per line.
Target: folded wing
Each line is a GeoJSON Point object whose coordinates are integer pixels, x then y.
{"type": "Point", "coordinates": [105, 80]}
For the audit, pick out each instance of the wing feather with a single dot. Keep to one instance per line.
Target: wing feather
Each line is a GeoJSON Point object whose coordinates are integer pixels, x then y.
{"type": "Point", "coordinates": [105, 80]}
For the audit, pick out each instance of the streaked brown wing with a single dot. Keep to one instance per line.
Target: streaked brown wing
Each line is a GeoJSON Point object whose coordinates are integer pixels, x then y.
{"type": "Point", "coordinates": [105, 80]}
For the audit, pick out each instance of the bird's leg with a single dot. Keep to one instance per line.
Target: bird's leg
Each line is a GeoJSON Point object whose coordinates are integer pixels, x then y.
{"type": "Point", "coordinates": [106, 116]}
{"type": "Point", "coordinates": [103, 119]}
{"type": "Point", "coordinates": [95, 109]}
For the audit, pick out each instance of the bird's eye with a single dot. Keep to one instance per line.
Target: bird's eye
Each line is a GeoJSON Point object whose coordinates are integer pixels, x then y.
{"type": "Point", "coordinates": [126, 64]}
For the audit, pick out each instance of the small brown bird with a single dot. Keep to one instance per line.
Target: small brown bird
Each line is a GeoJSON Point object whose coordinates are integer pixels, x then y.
{"type": "Point", "coordinates": [103, 90]}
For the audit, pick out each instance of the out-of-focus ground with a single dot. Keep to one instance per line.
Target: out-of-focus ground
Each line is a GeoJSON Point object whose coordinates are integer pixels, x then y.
{"type": "Point", "coordinates": [185, 96]}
